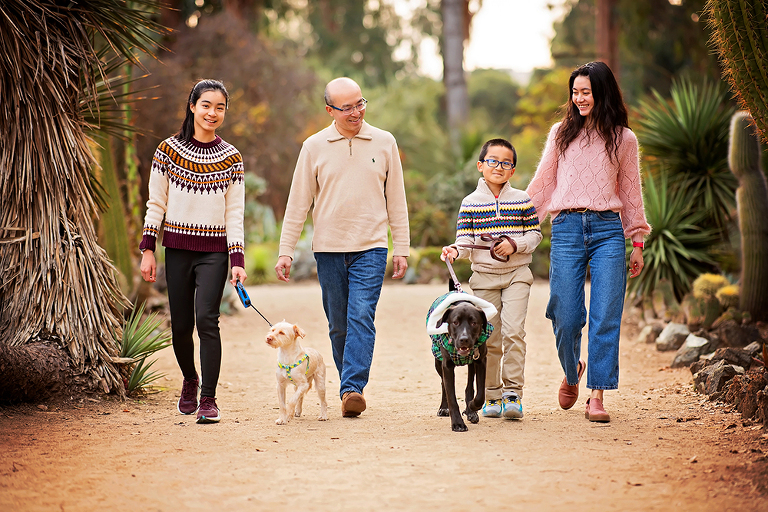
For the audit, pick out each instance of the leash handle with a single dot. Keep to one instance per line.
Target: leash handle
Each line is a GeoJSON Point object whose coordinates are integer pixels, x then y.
{"type": "Point", "coordinates": [246, 300]}
{"type": "Point", "coordinates": [455, 280]}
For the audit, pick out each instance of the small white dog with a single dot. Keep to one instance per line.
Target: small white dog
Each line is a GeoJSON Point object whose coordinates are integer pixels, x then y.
{"type": "Point", "coordinates": [298, 366]}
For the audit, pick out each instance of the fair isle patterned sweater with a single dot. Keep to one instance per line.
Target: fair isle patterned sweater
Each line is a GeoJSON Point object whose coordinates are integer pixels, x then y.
{"type": "Point", "coordinates": [198, 187]}
{"type": "Point", "coordinates": [511, 214]}
{"type": "Point", "coordinates": [584, 177]}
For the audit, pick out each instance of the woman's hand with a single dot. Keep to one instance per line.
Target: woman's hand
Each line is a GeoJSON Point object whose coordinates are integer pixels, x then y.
{"type": "Point", "coordinates": [148, 266]}
{"type": "Point", "coordinates": [238, 273]}
{"type": "Point", "coordinates": [636, 262]}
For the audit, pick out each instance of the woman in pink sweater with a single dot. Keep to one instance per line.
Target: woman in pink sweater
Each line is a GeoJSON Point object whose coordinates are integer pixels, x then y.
{"type": "Point", "coordinates": [588, 180]}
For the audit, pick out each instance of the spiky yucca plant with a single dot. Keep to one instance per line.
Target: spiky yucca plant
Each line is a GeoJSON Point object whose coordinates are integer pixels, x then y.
{"type": "Point", "coordinates": [687, 136]}
{"type": "Point", "coordinates": [740, 37]}
{"type": "Point", "coordinates": [676, 249]}
{"type": "Point", "coordinates": [58, 283]}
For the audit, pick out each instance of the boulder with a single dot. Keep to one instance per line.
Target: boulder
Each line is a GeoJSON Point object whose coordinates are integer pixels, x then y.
{"type": "Point", "coordinates": [712, 378]}
{"type": "Point", "coordinates": [650, 333]}
{"type": "Point", "coordinates": [672, 337]}
{"type": "Point", "coordinates": [690, 351]}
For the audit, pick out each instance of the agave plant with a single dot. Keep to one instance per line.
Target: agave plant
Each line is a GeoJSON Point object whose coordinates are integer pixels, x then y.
{"type": "Point", "coordinates": [58, 283]}
{"type": "Point", "coordinates": [677, 248]}
{"type": "Point", "coordinates": [688, 137]}
{"type": "Point", "coordinates": [139, 340]}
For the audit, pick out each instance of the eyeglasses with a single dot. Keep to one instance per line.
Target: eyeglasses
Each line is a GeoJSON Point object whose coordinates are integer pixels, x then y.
{"type": "Point", "coordinates": [348, 110]}
{"type": "Point", "coordinates": [507, 166]}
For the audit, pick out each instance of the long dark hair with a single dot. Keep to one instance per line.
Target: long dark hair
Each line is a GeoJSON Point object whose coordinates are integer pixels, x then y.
{"type": "Point", "coordinates": [608, 115]}
{"type": "Point", "coordinates": [188, 126]}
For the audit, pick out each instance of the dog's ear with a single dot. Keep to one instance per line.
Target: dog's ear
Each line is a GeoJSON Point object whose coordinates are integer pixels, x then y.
{"type": "Point", "coordinates": [482, 316]}
{"type": "Point", "coordinates": [444, 319]}
{"type": "Point", "coordinates": [298, 332]}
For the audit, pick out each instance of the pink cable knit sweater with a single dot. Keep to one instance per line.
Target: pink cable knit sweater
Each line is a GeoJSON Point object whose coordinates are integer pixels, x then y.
{"type": "Point", "coordinates": [584, 177]}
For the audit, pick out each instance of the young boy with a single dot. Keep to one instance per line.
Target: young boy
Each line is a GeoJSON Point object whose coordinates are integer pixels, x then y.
{"type": "Point", "coordinates": [498, 229]}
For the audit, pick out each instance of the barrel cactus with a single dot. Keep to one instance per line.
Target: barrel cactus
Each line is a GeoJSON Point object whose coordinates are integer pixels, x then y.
{"type": "Point", "coordinates": [706, 285]}
{"type": "Point", "coordinates": [740, 37]}
{"type": "Point", "coordinates": [744, 155]}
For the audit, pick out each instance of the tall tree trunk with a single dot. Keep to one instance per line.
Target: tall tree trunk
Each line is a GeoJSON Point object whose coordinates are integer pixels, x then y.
{"type": "Point", "coordinates": [606, 36]}
{"type": "Point", "coordinates": [456, 95]}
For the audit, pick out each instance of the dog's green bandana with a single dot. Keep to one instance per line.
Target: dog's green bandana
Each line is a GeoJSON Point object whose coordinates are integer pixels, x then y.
{"type": "Point", "coordinates": [289, 367]}
{"type": "Point", "coordinates": [445, 340]}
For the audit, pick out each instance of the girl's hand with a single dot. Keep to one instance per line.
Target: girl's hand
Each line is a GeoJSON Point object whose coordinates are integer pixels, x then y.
{"type": "Point", "coordinates": [636, 262]}
{"type": "Point", "coordinates": [148, 266]}
{"type": "Point", "coordinates": [448, 254]}
{"type": "Point", "coordinates": [238, 273]}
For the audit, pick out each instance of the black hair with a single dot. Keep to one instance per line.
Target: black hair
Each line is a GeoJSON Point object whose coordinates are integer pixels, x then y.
{"type": "Point", "coordinates": [498, 142]}
{"type": "Point", "coordinates": [608, 116]}
{"type": "Point", "coordinates": [188, 126]}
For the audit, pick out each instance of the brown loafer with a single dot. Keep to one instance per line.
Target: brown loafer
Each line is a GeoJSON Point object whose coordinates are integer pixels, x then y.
{"type": "Point", "coordinates": [568, 395]}
{"type": "Point", "coordinates": [596, 412]}
{"type": "Point", "coordinates": [352, 404]}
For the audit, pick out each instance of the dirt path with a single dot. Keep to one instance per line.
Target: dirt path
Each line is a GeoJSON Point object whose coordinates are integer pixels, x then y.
{"type": "Point", "coordinates": [665, 449]}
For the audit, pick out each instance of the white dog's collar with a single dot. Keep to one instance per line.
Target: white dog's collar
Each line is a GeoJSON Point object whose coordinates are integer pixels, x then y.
{"type": "Point", "coordinates": [437, 314]}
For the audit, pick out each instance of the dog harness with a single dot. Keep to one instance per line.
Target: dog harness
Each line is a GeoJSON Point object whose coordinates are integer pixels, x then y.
{"type": "Point", "coordinates": [444, 340]}
{"type": "Point", "coordinates": [289, 367]}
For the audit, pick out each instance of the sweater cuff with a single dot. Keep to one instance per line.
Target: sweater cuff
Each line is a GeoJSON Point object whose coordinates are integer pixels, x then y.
{"type": "Point", "coordinates": [148, 243]}
{"type": "Point", "coordinates": [237, 259]}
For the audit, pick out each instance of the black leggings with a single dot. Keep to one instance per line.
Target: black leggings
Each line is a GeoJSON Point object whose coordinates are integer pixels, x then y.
{"type": "Point", "coordinates": [195, 285]}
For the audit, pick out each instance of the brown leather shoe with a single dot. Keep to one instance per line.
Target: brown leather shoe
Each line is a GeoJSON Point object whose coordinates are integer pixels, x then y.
{"type": "Point", "coordinates": [352, 404]}
{"type": "Point", "coordinates": [568, 395]}
{"type": "Point", "coordinates": [596, 412]}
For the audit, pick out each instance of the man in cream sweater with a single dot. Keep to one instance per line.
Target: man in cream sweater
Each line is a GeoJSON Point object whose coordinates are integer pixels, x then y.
{"type": "Point", "coordinates": [352, 174]}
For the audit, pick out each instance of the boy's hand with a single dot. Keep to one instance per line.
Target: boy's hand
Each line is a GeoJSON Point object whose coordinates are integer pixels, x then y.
{"type": "Point", "coordinates": [449, 254]}
{"type": "Point", "coordinates": [505, 248]}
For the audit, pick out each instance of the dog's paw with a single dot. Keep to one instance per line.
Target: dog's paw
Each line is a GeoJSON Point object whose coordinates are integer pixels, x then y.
{"type": "Point", "coordinates": [459, 427]}
{"type": "Point", "coordinates": [472, 416]}
{"type": "Point", "coordinates": [281, 421]}
{"type": "Point", "coordinates": [297, 414]}
{"type": "Point", "coordinates": [443, 411]}
{"type": "Point", "coordinates": [323, 417]}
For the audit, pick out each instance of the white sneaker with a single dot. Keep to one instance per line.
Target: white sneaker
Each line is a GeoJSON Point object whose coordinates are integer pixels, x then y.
{"type": "Point", "coordinates": [492, 409]}
{"type": "Point", "coordinates": [512, 408]}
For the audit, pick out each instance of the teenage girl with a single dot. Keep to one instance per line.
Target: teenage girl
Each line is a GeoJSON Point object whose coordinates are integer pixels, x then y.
{"type": "Point", "coordinates": [588, 180]}
{"type": "Point", "coordinates": [197, 195]}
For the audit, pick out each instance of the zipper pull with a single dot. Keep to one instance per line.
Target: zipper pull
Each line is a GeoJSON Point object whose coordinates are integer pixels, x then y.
{"type": "Point", "coordinates": [350, 147]}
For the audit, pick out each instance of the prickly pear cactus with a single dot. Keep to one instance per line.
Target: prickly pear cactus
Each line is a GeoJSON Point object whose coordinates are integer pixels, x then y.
{"type": "Point", "coordinates": [752, 202]}
{"type": "Point", "coordinates": [740, 37]}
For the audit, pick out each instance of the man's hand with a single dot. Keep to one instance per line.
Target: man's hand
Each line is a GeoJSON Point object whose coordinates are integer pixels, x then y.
{"type": "Point", "coordinates": [238, 273]}
{"type": "Point", "coordinates": [148, 266]}
{"type": "Point", "coordinates": [401, 264]}
{"type": "Point", "coordinates": [283, 268]}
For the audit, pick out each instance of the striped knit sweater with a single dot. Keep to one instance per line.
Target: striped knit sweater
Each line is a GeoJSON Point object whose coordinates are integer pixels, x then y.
{"type": "Point", "coordinates": [511, 214]}
{"type": "Point", "coordinates": [585, 177]}
{"type": "Point", "coordinates": [198, 187]}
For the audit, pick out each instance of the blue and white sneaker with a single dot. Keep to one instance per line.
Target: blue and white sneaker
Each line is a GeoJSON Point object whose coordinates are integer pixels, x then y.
{"type": "Point", "coordinates": [511, 406]}
{"type": "Point", "coordinates": [492, 409]}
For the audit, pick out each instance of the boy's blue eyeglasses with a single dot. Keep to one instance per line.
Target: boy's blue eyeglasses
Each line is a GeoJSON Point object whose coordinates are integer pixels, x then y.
{"type": "Point", "coordinates": [507, 166]}
{"type": "Point", "coordinates": [348, 110]}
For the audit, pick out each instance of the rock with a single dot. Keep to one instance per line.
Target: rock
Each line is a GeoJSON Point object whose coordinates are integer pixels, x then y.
{"type": "Point", "coordinates": [650, 333]}
{"type": "Point", "coordinates": [743, 391]}
{"type": "Point", "coordinates": [733, 334]}
{"type": "Point", "coordinates": [690, 351]}
{"type": "Point", "coordinates": [731, 355]}
{"type": "Point", "coordinates": [754, 348]}
{"type": "Point", "coordinates": [672, 337]}
{"type": "Point", "coordinates": [712, 378]}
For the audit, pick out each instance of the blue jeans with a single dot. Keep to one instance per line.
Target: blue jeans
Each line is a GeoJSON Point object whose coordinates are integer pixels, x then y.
{"type": "Point", "coordinates": [595, 239]}
{"type": "Point", "coordinates": [351, 285]}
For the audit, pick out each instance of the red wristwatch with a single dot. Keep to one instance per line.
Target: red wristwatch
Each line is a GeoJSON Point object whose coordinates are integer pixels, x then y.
{"type": "Point", "coordinates": [638, 244]}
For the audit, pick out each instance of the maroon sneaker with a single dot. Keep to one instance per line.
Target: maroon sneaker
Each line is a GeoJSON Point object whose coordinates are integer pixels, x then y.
{"type": "Point", "coordinates": [208, 412]}
{"type": "Point", "coordinates": [188, 400]}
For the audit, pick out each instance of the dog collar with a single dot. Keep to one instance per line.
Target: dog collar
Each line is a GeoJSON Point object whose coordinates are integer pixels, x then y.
{"type": "Point", "coordinates": [289, 367]}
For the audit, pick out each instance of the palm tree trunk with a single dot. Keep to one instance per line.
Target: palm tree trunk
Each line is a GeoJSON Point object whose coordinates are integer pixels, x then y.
{"type": "Point", "coordinates": [456, 95]}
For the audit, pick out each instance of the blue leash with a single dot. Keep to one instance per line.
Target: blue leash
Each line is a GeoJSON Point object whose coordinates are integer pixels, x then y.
{"type": "Point", "coordinates": [246, 300]}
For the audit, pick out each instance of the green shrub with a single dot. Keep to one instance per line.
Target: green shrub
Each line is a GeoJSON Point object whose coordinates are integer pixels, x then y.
{"type": "Point", "coordinates": [260, 262]}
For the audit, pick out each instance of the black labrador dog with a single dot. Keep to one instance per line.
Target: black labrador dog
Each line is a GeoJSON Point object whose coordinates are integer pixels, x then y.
{"type": "Point", "coordinates": [466, 322]}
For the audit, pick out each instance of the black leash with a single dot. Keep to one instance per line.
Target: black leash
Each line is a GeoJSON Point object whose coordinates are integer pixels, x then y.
{"type": "Point", "coordinates": [246, 300]}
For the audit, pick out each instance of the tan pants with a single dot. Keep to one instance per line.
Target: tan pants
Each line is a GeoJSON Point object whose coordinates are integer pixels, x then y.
{"type": "Point", "coordinates": [506, 347]}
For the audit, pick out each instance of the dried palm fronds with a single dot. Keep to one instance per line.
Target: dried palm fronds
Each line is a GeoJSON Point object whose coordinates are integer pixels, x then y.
{"type": "Point", "coordinates": [57, 282]}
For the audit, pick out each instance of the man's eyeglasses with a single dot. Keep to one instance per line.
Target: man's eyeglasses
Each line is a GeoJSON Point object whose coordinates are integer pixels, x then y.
{"type": "Point", "coordinates": [507, 166]}
{"type": "Point", "coordinates": [348, 110]}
